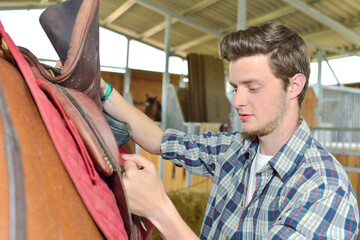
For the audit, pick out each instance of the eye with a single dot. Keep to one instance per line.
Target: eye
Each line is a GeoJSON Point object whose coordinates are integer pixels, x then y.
{"type": "Point", "coordinates": [234, 89]}
{"type": "Point", "coordinates": [253, 89]}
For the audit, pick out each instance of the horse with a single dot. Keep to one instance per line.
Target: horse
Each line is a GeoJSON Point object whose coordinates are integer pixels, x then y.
{"type": "Point", "coordinates": [153, 108]}
{"type": "Point", "coordinates": [52, 187]}
{"type": "Point", "coordinates": [38, 199]}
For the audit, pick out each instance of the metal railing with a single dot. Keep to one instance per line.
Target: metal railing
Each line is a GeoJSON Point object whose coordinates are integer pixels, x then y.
{"type": "Point", "coordinates": [338, 119]}
{"type": "Point", "coordinates": [344, 141]}
{"type": "Point", "coordinates": [175, 116]}
{"type": "Point", "coordinates": [338, 106]}
{"type": "Point", "coordinates": [339, 140]}
{"type": "Point", "coordinates": [176, 120]}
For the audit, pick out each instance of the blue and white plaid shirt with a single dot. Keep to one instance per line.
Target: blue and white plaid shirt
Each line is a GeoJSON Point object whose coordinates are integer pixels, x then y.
{"type": "Point", "coordinates": [302, 193]}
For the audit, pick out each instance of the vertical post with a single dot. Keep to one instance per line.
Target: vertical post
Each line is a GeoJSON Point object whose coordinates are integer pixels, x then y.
{"type": "Point", "coordinates": [165, 83]}
{"type": "Point", "coordinates": [319, 57]}
{"type": "Point", "coordinates": [165, 79]}
{"type": "Point", "coordinates": [127, 77]}
{"type": "Point", "coordinates": [241, 15]}
{"type": "Point", "coordinates": [190, 129]}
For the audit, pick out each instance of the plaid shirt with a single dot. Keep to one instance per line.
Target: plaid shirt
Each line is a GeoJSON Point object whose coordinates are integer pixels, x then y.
{"type": "Point", "coordinates": [302, 193]}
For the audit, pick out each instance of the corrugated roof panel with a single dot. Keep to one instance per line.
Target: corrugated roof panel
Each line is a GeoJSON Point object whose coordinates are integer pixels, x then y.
{"type": "Point", "coordinates": [134, 18]}
{"type": "Point", "coordinates": [108, 7]}
{"type": "Point", "coordinates": [177, 6]}
{"type": "Point", "coordinates": [217, 16]}
{"type": "Point", "coordinates": [334, 40]}
{"type": "Point", "coordinates": [335, 9]}
{"type": "Point", "coordinates": [301, 23]}
{"type": "Point", "coordinates": [210, 48]}
{"type": "Point", "coordinates": [139, 19]}
{"type": "Point", "coordinates": [24, 4]}
{"type": "Point", "coordinates": [181, 33]}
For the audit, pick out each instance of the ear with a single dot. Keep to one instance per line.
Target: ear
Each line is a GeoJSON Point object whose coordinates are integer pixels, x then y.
{"type": "Point", "coordinates": [297, 83]}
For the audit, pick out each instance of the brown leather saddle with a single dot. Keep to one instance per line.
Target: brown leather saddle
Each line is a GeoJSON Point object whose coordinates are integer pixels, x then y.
{"type": "Point", "coordinates": [73, 28]}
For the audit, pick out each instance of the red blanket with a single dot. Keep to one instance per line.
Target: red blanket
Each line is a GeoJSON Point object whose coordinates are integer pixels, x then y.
{"type": "Point", "coordinates": [95, 194]}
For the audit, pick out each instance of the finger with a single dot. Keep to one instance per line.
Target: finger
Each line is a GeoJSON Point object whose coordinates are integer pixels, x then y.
{"type": "Point", "coordinates": [138, 159]}
{"type": "Point", "coordinates": [129, 164]}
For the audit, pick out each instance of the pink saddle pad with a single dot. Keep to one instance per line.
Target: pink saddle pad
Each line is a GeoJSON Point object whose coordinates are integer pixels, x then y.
{"type": "Point", "coordinates": [96, 195]}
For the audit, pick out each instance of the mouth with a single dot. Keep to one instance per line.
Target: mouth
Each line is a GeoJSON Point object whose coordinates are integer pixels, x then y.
{"type": "Point", "coordinates": [244, 116]}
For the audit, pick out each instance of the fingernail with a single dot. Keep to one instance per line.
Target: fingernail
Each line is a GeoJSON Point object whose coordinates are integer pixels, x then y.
{"type": "Point", "coordinates": [125, 155]}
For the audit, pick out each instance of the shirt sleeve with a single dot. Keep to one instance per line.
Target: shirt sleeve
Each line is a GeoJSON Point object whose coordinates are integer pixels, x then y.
{"type": "Point", "coordinates": [199, 154]}
{"type": "Point", "coordinates": [329, 213]}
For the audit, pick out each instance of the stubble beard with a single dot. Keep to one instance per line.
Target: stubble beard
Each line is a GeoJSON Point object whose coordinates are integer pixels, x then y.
{"type": "Point", "coordinates": [273, 124]}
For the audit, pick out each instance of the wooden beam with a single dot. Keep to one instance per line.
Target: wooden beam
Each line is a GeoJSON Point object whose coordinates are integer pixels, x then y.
{"type": "Point", "coordinates": [327, 21]}
{"type": "Point", "coordinates": [187, 45]}
{"type": "Point", "coordinates": [43, 2]}
{"type": "Point", "coordinates": [152, 31]}
{"type": "Point", "coordinates": [26, 4]}
{"type": "Point", "coordinates": [197, 7]}
{"type": "Point", "coordinates": [118, 12]}
{"type": "Point", "coordinates": [121, 30]}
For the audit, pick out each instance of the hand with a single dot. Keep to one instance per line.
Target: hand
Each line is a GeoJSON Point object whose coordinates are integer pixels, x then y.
{"type": "Point", "coordinates": [143, 186]}
{"type": "Point", "coordinates": [147, 198]}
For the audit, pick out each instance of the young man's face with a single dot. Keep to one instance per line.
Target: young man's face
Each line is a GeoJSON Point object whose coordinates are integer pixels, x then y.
{"type": "Point", "coordinates": [260, 99]}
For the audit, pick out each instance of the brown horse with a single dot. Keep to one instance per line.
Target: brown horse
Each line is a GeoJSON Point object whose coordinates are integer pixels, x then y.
{"type": "Point", "coordinates": [43, 194]}
{"type": "Point", "coordinates": [153, 108]}
{"type": "Point", "coordinates": [47, 205]}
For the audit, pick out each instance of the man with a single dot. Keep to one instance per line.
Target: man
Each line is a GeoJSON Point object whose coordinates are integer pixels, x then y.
{"type": "Point", "coordinates": [271, 181]}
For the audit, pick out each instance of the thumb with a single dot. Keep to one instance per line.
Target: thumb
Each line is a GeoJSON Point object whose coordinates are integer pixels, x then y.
{"type": "Point", "coordinates": [137, 159]}
{"type": "Point", "coordinates": [129, 163]}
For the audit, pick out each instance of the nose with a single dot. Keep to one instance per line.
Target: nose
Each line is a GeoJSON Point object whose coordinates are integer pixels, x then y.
{"type": "Point", "coordinates": [240, 99]}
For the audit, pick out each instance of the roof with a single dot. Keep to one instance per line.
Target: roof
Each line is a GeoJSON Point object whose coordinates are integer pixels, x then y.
{"type": "Point", "coordinates": [197, 26]}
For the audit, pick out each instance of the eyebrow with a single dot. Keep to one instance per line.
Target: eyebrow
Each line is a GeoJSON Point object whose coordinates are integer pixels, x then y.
{"type": "Point", "coordinates": [246, 82]}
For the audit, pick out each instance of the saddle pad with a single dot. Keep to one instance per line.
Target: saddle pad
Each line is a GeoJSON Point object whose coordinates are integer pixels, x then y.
{"type": "Point", "coordinates": [96, 195]}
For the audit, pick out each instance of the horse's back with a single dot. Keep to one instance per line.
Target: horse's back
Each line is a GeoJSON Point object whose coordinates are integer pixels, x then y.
{"type": "Point", "coordinates": [54, 209]}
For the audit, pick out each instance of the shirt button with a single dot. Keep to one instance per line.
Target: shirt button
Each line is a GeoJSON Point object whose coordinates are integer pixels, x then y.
{"type": "Point", "coordinates": [242, 204]}
{"type": "Point", "coordinates": [227, 238]}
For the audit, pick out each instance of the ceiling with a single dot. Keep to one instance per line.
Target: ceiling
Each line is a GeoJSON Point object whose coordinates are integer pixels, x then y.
{"type": "Point", "coordinates": [197, 26]}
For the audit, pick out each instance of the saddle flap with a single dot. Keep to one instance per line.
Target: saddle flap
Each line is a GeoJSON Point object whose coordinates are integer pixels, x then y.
{"type": "Point", "coordinates": [87, 117]}
{"type": "Point", "coordinates": [73, 28]}
{"type": "Point", "coordinates": [92, 126]}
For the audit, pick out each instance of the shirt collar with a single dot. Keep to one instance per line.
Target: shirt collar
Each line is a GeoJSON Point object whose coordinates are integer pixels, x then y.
{"type": "Point", "coordinates": [287, 159]}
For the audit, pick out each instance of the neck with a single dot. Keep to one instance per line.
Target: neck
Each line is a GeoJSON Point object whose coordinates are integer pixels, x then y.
{"type": "Point", "coordinates": [270, 144]}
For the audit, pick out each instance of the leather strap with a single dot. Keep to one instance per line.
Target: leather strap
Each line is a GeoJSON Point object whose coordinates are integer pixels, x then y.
{"type": "Point", "coordinates": [17, 199]}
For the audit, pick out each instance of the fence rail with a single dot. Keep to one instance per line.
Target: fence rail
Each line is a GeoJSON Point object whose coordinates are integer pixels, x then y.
{"type": "Point", "coordinates": [339, 140]}
{"type": "Point", "coordinates": [338, 106]}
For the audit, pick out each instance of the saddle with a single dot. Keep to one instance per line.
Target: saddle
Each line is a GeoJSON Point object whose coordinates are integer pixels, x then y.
{"type": "Point", "coordinates": [73, 28]}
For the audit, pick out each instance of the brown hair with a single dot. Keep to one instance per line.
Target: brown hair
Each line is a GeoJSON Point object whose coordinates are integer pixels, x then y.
{"type": "Point", "coordinates": [287, 51]}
